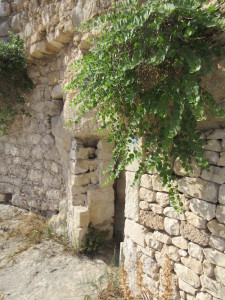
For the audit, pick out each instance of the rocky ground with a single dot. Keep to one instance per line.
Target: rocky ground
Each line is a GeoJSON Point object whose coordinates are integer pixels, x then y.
{"type": "Point", "coordinates": [35, 266]}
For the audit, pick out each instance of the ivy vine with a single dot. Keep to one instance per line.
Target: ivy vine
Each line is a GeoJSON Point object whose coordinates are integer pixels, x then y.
{"type": "Point", "coordinates": [14, 81]}
{"type": "Point", "coordinates": [143, 75]}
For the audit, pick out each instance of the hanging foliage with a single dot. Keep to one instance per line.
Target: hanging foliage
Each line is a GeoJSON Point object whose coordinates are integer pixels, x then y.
{"type": "Point", "coordinates": [14, 81]}
{"type": "Point", "coordinates": [143, 74]}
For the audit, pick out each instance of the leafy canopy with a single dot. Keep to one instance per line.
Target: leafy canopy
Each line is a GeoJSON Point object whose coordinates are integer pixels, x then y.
{"type": "Point", "coordinates": [14, 81]}
{"type": "Point", "coordinates": [143, 74]}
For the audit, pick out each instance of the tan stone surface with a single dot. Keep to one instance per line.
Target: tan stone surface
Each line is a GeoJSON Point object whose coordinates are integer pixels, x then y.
{"type": "Point", "coordinates": [193, 234]}
{"type": "Point", "coordinates": [151, 220]}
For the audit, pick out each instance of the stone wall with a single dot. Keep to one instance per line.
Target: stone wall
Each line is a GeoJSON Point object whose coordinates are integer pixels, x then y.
{"type": "Point", "coordinates": [47, 166]}
{"type": "Point", "coordinates": [194, 241]}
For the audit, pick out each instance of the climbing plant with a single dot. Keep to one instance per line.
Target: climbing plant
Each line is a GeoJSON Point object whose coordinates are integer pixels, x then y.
{"type": "Point", "coordinates": [14, 81]}
{"type": "Point", "coordinates": [143, 75]}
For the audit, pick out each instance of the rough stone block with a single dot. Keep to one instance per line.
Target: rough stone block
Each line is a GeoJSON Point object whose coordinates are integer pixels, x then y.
{"type": "Point", "coordinates": [2, 198]}
{"type": "Point", "coordinates": [215, 257]}
{"type": "Point", "coordinates": [195, 220]}
{"type": "Point", "coordinates": [131, 198]}
{"type": "Point", "coordinates": [203, 209]}
{"type": "Point", "coordinates": [171, 226]}
{"type": "Point", "coordinates": [171, 213]}
{"type": "Point", "coordinates": [162, 199]}
{"type": "Point", "coordinates": [217, 243]}
{"type": "Point", "coordinates": [171, 251]}
{"type": "Point", "coordinates": [198, 188]}
{"type": "Point", "coordinates": [187, 275]}
{"type": "Point", "coordinates": [150, 266]}
{"type": "Point", "coordinates": [203, 296]}
{"type": "Point", "coordinates": [208, 268]}
{"type": "Point", "coordinates": [5, 10]}
{"type": "Point", "coordinates": [79, 200]}
{"type": "Point", "coordinates": [105, 150]}
{"type": "Point", "coordinates": [195, 251]}
{"type": "Point", "coordinates": [162, 237]}
{"type": "Point", "coordinates": [179, 170]}
{"type": "Point", "coordinates": [147, 195]}
{"type": "Point", "coordinates": [4, 29]}
{"type": "Point", "coordinates": [211, 156]}
{"type": "Point", "coordinates": [158, 184]}
{"type": "Point", "coordinates": [152, 220]}
{"type": "Point", "coordinates": [81, 216]}
{"type": "Point", "coordinates": [144, 205]}
{"type": "Point", "coordinates": [101, 204]}
{"type": "Point", "coordinates": [57, 92]}
{"type": "Point", "coordinates": [192, 264]}
{"type": "Point", "coordinates": [184, 286]}
{"type": "Point", "coordinates": [193, 234]}
{"type": "Point", "coordinates": [152, 242]}
{"type": "Point", "coordinates": [216, 228]}
{"type": "Point", "coordinates": [156, 208]}
{"type": "Point", "coordinates": [180, 242]}
{"type": "Point", "coordinates": [146, 181]}
{"type": "Point", "coordinates": [217, 134]}
{"type": "Point", "coordinates": [220, 274]}
{"type": "Point", "coordinates": [213, 145]}
{"type": "Point", "coordinates": [220, 213]}
{"type": "Point", "coordinates": [215, 174]}
{"type": "Point", "coordinates": [136, 232]}
{"type": "Point", "coordinates": [212, 287]}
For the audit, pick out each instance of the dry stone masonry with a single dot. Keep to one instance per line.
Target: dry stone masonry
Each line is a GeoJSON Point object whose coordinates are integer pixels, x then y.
{"type": "Point", "coordinates": [49, 167]}
{"type": "Point", "coordinates": [193, 241]}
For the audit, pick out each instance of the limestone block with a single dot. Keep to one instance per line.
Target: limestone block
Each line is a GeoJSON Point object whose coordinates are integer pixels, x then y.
{"type": "Point", "coordinates": [216, 229]}
{"type": "Point", "coordinates": [192, 264]}
{"type": "Point", "coordinates": [101, 204]}
{"type": "Point", "coordinates": [79, 200]}
{"type": "Point", "coordinates": [215, 174]}
{"type": "Point", "coordinates": [84, 179]}
{"type": "Point", "coordinates": [82, 153]}
{"type": "Point", "coordinates": [171, 226]}
{"type": "Point", "coordinates": [57, 92]}
{"type": "Point", "coordinates": [171, 251]}
{"type": "Point", "coordinates": [208, 268]}
{"type": "Point", "coordinates": [180, 242]}
{"type": "Point", "coordinates": [203, 209]}
{"type": "Point", "coordinates": [48, 139]}
{"type": "Point", "coordinates": [182, 253]}
{"type": "Point", "coordinates": [148, 251]}
{"type": "Point", "coordinates": [53, 107]}
{"type": "Point", "coordinates": [131, 198]}
{"type": "Point", "coordinates": [217, 243]}
{"type": "Point", "coordinates": [37, 152]}
{"type": "Point", "coordinates": [195, 251]}
{"type": "Point", "coordinates": [104, 150]}
{"type": "Point", "coordinates": [2, 198]}
{"type": "Point", "coordinates": [184, 286]}
{"type": "Point", "coordinates": [77, 190]}
{"type": "Point", "coordinates": [220, 213]}
{"type": "Point", "coordinates": [5, 10]}
{"type": "Point", "coordinates": [187, 275]}
{"type": "Point", "coordinates": [196, 221]}
{"type": "Point", "coordinates": [136, 232]}
{"type": "Point", "coordinates": [4, 29]}
{"type": "Point", "coordinates": [179, 170]}
{"type": "Point", "coordinates": [152, 242]}
{"type": "Point", "coordinates": [158, 184]}
{"type": "Point", "coordinates": [220, 274]}
{"type": "Point", "coordinates": [193, 234]}
{"type": "Point", "coordinates": [211, 156]}
{"type": "Point", "coordinates": [80, 166]}
{"type": "Point", "coordinates": [147, 195]}
{"type": "Point", "coordinates": [198, 188]}
{"type": "Point", "coordinates": [103, 175]}
{"type": "Point", "coordinates": [203, 296]}
{"type": "Point", "coordinates": [149, 219]}
{"type": "Point", "coordinates": [162, 237]}
{"type": "Point", "coordinates": [35, 176]}
{"type": "Point", "coordinates": [144, 205]}
{"type": "Point", "coordinates": [217, 134]}
{"type": "Point", "coordinates": [17, 200]}
{"type": "Point", "coordinates": [221, 160]}
{"type": "Point", "coordinates": [215, 257]}
{"type": "Point", "coordinates": [162, 199]}
{"type": "Point", "coordinates": [212, 287]}
{"type": "Point", "coordinates": [213, 145]}
{"type": "Point", "coordinates": [156, 208]}
{"type": "Point", "coordinates": [40, 49]}
{"type": "Point", "coordinates": [81, 216]}
{"type": "Point", "coordinates": [171, 213]}
{"type": "Point", "coordinates": [146, 181]}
